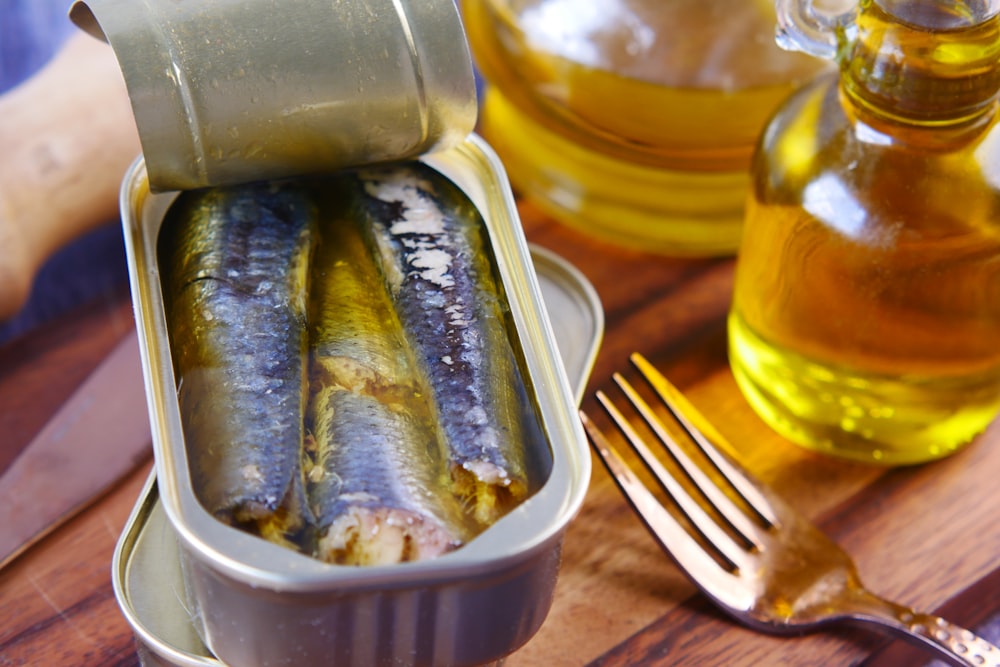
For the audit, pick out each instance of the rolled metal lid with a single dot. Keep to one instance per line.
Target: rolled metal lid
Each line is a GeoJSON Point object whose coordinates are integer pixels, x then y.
{"type": "Point", "coordinates": [226, 92]}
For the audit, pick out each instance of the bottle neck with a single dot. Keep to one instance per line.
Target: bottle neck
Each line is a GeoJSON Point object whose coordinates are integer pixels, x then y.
{"type": "Point", "coordinates": [925, 64]}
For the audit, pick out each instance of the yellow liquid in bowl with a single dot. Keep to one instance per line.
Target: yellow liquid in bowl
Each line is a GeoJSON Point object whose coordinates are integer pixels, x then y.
{"type": "Point", "coordinates": [636, 124]}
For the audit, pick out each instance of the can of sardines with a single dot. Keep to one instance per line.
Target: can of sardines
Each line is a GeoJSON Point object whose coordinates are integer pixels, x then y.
{"type": "Point", "coordinates": [366, 443]}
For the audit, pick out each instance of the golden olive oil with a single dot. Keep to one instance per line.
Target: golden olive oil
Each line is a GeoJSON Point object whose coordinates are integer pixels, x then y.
{"type": "Point", "coordinates": [633, 120]}
{"type": "Point", "coordinates": [866, 313]}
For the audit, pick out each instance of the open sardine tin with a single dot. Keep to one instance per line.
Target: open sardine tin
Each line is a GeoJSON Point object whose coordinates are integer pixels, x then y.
{"type": "Point", "coordinates": [257, 603]}
{"type": "Point", "coordinates": [226, 92]}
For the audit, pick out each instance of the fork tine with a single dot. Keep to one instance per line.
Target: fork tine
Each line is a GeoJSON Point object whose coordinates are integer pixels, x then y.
{"type": "Point", "coordinates": [737, 519]}
{"type": "Point", "coordinates": [675, 540]}
{"type": "Point", "coordinates": [708, 440]}
{"type": "Point", "coordinates": [730, 551]}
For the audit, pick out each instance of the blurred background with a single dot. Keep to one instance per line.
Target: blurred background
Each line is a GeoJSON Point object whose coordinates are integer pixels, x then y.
{"type": "Point", "coordinates": [92, 266]}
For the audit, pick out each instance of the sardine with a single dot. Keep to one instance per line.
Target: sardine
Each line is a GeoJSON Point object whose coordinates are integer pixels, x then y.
{"type": "Point", "coordinates": [379, 486]}
{"type": "Point", "coordinates": [235, 270]}
{"type": "Point", "coordinates": [430, 239]}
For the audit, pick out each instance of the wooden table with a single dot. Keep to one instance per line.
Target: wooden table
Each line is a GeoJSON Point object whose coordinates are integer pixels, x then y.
{"type": "Point", "coordinates": [926, 536]}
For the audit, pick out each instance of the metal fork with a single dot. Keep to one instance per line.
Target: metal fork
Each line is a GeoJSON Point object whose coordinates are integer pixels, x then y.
{"type": "Point", "coordinates": [745, 548]}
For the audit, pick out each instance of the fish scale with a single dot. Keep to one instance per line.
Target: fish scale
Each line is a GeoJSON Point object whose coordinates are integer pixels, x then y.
{"type": "Point", "coordinates": [234, 265]}
{"type": "Point", "coordinates": [433, 254]}
{"type": "Point", "coordinates": [402, 436]}
{"type": "Point", "coordinates": [379, 486]}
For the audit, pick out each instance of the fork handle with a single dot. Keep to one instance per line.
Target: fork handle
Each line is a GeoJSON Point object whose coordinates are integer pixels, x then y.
{"type": "Point", "coordinates": [951, 642]}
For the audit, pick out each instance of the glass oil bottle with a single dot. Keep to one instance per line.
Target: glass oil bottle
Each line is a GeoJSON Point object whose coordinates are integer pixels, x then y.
{"type": "Point", "coordinates": [866, 313]}
{"type": "Point", "coordinates": [633, 120]}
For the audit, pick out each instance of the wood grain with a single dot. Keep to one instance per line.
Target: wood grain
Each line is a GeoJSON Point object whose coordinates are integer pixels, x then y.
{"type": "Point", "coordinates": [925, 536]}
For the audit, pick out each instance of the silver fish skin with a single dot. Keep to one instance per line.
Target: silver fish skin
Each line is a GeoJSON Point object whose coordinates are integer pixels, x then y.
{"type": "Point", "coordinates": [379, 483]}
{"type": "Point", "coordinates": [235, 269]}
{"type": "Point", "coordinates": [430, 238]}
{"type": "Point", "coordinates": [374, 501]}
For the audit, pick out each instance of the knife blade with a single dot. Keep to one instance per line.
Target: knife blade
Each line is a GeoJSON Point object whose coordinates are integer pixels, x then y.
{"type": "Point", "coordinates": [100, 434]}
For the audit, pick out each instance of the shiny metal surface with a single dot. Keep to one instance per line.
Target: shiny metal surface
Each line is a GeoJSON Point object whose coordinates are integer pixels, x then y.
{"type": "Point", "coordinates": [226, 92]}
{"type": "Point", "coordinates": [146, 571]}
{"type": "Point", "coordinates": [100, 434]}
{"type": "Point", "coordinates": [469, 606]}
{"type": "Point", "coordinates": [576, 313]}
{"type": "Point", "coordinates": [749, 551]}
